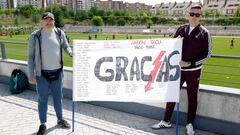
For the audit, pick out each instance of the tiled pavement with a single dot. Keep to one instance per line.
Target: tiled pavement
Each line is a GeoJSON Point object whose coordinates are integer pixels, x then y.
{"type": "Point", "coordinates": [18, 116]}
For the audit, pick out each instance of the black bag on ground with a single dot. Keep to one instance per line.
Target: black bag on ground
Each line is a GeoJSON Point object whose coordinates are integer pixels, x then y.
{"type": "Point", "coordinates": [18, 81]}
{"type": "Point", "coordinates": [51, 76]}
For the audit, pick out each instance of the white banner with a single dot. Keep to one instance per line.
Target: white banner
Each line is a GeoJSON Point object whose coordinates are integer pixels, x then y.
{"type": "Point", "coordinates": [145, 70]}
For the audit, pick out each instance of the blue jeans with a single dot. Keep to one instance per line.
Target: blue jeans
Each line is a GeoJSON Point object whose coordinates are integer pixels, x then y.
{"type": "Point", "coordinates": [43, 88]}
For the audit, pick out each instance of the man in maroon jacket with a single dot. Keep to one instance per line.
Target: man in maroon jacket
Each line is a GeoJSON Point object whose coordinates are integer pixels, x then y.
{"type": "Point", "coordinates": [195, 50]}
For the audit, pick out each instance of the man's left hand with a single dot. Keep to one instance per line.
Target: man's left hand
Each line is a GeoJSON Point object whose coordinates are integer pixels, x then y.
{"type": "Point", "coordinates": [71, 54]}
{"type": "Point", "coordinates": [184, 64]}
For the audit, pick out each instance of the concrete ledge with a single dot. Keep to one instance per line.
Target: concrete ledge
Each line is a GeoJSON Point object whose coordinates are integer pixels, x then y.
{"type": "Point", "coordinates": [201, 122]}
{"type": "Point", "coordinates": [218, 108]}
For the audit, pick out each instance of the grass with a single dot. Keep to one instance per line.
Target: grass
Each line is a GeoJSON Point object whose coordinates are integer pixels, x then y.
{"type": "Point", "coordinates": [220, 47]}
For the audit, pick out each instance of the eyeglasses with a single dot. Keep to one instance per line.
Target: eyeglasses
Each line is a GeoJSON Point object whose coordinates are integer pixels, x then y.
{"type": "Point", "coordinates": [194, 14]}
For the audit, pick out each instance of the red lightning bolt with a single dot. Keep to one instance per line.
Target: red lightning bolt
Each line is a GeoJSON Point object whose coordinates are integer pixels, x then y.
{"type": "Point", "coordinates": [157, 64]}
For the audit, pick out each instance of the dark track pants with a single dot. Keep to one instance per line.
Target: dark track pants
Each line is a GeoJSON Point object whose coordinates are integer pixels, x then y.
{"type": "Point", "coordinates": [192, 80]}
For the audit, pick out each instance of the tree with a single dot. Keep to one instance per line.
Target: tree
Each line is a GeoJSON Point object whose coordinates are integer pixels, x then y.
{"type": "Point", "coordinates": [97, 21]}
{"type": "Point", "coordinates": [16, 12]}
{"type": "Point", "coordinates": [81, 15]}
{"type": "Point", "coordinates": [237, 13]}
{"type": "Point", "coordinates": [112, 20]}
{"type": "Point", "coordinates": [149, 23]}
{"type": "Point", "coordinates": [116, 13]}
{"type": "Point", "coordinates": [93, 11]}
{"type": "Point", "coordinates": [206, 13]}
{"type": "Point", "coordinates": [217, 14]}
{"type": "Point", "coordinates": [144, 18]}
{"type": "Point", "coordinates": [155, 19]}
{"type": "Point", "coordinates": [36, 18]}
{"type": "Point", "coordinates": [71, 13]}
{"type": "Point", "coordinates": [108, 12]}
{"type": "Point", "coordinates": [16, 21]}
{"type": "Point", "coordinates": [64, 11]}
{"type": "Point", "coordinates": [27, 10]}
{"type": "Point", "coordinates": [9, 11]}
{"type": "Point", "coordinates": [182, 20]}
{"type": "Point", "coordinates": [41, 11]}
{"type": "Point", "coordinates": [101, 12]}
{"type": "Point", "coordinates": [121, 22]}
{"type": "Point", "coordinates": [58, 15]}
{"type": "Point", "coordinates": [158, 12]}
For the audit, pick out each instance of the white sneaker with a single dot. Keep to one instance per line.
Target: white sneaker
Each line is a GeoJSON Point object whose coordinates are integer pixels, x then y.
{"type": "Point", "coordinates": [190, 130]}
{"type": "Point", "coordinates": [162, 124]}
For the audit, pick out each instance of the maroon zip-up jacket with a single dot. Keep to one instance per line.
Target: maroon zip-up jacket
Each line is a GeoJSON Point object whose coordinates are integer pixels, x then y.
{"type": "Point", "coordinates": [196, 46]}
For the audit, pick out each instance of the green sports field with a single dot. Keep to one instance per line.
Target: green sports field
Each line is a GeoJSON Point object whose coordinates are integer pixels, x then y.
{"type": "Point", "coordinates": [221, 46]}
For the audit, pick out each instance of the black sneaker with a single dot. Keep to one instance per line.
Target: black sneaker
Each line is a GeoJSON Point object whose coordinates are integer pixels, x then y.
{"type": "Point", "coordinates": [64, 124]}
{"type": "Point", "coordinates": [42, 129]}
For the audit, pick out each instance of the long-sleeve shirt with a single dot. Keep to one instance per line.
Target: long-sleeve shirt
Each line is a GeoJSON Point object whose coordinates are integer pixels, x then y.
{"type": "Point", "coordinates": [196, 47]}
{"type": "Point", "coordinates": [34, 56]}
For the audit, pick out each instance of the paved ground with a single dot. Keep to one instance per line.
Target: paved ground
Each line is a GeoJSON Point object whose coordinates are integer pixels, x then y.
{"type": "Point", "coordinates": [18, 116]}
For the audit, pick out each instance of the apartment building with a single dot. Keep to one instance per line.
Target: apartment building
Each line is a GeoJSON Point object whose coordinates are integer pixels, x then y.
{"type": "Point", "coordinates": [146, 8]}
{"type": "Point", "coordinates": [224, 7]}
{"type": "Point", "coordinates": [70, 4]}
{"type": "Point", "coordinates": [88, 4]}
{"type": "Point", "coordinates": [230, 7]}
{"type": "Point", "coordinates": [180, 9]}
{"type": "Point", "coordinates": [4, 4]}
{"type": "Point", "coordinates": [156, 8]}
{"type": "Point", "coordinates": [35, 3]}
{"type": "Point", "coordinates": [118, 5]}
{"type": "Point", "coordinates": [214, 6]}
{"type": "Point", "coordinates": [106, 4]}
{"type": "Point", "coordinates": [130, 7]}
{"type": "Point", "coordinates": [165, 8]}
{"type": "Point", "coordinates": [97, 3]}
{"type": "Point", "coordinates": [79, 4]}
{"type": "Point", "coordinates": [137, 7]}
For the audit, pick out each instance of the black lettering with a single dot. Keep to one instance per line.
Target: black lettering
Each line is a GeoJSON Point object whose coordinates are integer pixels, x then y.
{"type": "Point", "coordinates": [145, 77]}
{"type": "Point", "coordinates": [121, 70]}
{"type": "Point", "coordinates": [135, 72]}
{"type": "Point", "coordinates": [177, 67]}
{"type": "Point", "coordinates": [162, 73]}
{"type": "Point", "coordinates": [97, 70]}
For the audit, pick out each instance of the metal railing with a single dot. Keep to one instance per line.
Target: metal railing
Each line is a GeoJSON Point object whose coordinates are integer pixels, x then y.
{"type": "Point", "coordinates": [3, 54]}
{"type": "Point", "coordinates": [209, 76]}
{"type": "Point", "coordinates": [20, 53]}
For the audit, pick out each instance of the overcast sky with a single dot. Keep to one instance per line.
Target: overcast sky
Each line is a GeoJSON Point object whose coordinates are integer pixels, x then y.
{"type": "Point", "coordinates": [153, 2]}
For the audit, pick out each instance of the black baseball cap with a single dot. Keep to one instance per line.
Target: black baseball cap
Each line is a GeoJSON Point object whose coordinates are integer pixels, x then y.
{"type": "Point", "coordinates": [47, 14]}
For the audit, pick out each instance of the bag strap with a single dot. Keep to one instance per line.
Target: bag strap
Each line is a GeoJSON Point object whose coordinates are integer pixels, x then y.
{"type": "Point", "coordinates": [15, 71]}
{"type": "Point", "coordinates": [59, 33]}
{"type": "Point", "coordinates": [38, 36]}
